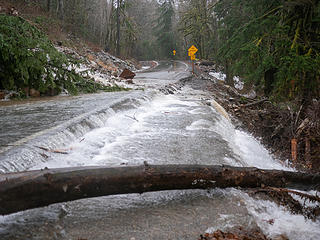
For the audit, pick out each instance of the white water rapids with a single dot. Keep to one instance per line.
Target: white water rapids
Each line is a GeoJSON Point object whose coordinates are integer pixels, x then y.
{"type": "Point", "coordinates": [161, 129]}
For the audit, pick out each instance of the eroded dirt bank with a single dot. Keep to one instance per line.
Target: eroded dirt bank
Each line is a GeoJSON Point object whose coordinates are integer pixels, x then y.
{"type": "Point", "coordinates": [275, 124]}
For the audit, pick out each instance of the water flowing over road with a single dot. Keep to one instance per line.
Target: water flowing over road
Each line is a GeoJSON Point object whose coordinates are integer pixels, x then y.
{"type": "Point", "coordinates": [128, 128]}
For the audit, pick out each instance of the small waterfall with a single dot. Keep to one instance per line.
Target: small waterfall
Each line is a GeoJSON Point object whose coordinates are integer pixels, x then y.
{"type": "Point", "coordinates": [250, 151]}
{"type": "Point", "coordinates": [30, 151]}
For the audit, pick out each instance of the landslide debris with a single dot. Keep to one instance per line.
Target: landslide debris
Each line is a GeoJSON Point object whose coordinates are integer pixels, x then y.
{"type": "Point", "coordinates": [33, 66]}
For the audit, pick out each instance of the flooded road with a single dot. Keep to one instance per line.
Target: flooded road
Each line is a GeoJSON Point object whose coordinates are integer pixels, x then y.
{"type": "Point", "coordinates": [128, 128]}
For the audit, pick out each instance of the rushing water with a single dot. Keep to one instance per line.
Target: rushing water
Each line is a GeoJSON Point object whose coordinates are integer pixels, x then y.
{"type": "Point", "coordinates": [128, 129]}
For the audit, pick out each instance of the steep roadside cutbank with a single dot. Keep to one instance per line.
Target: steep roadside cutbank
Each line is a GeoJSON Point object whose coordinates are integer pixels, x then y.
{"type": "Point", "coordinates": [32, 65]}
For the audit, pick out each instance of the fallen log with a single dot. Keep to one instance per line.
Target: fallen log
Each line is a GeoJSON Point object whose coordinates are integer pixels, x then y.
{"type": "Point", "coordinates": [256, 102]}
{"type": "Point", "coordinates": [32, 189]}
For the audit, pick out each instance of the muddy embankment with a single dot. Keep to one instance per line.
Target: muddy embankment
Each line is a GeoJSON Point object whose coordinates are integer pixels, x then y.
{"type": "Point", "coordinates": [289, 130]}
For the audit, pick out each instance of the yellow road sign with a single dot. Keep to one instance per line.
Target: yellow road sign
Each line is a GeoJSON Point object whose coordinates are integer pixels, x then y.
{"type": "Point", "coordinates": [174, 52]}
{"type": "Point", "coordinates": [192, 50]}
{"type": "Point", "coordinates": [193, 57]}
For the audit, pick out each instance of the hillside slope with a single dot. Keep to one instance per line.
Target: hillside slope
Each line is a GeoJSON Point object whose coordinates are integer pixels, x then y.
{"type": "Point", "coordinates": [38, 58]}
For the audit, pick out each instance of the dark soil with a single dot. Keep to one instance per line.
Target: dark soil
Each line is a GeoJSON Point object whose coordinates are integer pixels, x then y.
{"type": "Point", "coordinates": [274, 124]}
{"type": "Point", "coordinates": [236, 234]}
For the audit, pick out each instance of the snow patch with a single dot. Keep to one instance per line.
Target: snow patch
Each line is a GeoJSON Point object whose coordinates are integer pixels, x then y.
{"type": "Point", "coordinates": [102, 67]}
{"type": "Point", "coordinates": [238, 84]}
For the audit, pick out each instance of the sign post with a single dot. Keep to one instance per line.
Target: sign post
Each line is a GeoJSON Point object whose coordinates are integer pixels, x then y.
{"type": "Point", "coordinates": [174, 63]}
{"type": "Point", "coordinates": [192, 58]}
{"type": "Point", "coordinates": [191, 52]}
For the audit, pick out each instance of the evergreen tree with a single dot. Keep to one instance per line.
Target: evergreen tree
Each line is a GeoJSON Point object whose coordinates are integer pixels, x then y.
{"type": "Point", "coordinates": [29, 60]}
{"type": "Point", "coordinates": [273, 43]}
{"type": "Point", "coordinates": [164, 29]}
{"type": "Point", "coordinates": [196, 24]}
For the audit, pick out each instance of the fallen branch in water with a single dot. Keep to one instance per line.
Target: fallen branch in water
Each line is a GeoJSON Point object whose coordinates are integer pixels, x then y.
{"type": "Point", "coordinates": [285, 198]}
{"type": "Point", "coordinates": [133, 118]}
{"type": "Point", "coordinates": [310, 197]}
{"type": "Point", "coordinates": [31, 189]}
{"type": "Point", "coordinates": [53, 150]}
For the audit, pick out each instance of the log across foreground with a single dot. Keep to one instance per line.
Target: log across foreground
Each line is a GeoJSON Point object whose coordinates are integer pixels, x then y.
{"type": "Point", "coordinates": [32, 189]}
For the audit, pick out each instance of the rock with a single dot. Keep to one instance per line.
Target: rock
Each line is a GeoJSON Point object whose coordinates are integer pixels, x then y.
{"type": "Point", "coordinates": [91, 57]}
{"type": "Point", "coordinates": [129, 81]}
{"type": "Point", "coordinates": [110, 67]}
{"type": "Point", "coordinates": [127, 74]}
{"type": "Point", "coordinates": [2, 95]}
{"type": "Point", "coordinates": [34, 93]}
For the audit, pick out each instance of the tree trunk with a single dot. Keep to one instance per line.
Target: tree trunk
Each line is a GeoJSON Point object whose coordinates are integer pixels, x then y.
{"type": "Point", "coordinates": [26, 190]}
{"type": "Point", "coordinates": [60, 9]}
{"type": "Point", "coordinates": [48, 5]}
{"type": "Point", "coordinates": [118, 28]}
{"type": "Point", "coordinates": [307, 155]}
{"type": "Point", "coordinates": [269, 80]}
{"type": "Point", "coordinates": [229, 78]}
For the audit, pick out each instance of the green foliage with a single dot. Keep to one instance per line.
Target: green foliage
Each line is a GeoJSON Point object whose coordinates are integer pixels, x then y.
{"type": "Point", "coordinates": [28, 59]}
{"type": "Point", "coordinates": [90, 86]}
{"type": "Point", "coordinates": [164, 29]}
{"type": "Point", "coordinates": [128, 31]}
{"type": "Point", "coordinates": [45, 23]}
{"type": "Point", "coordinates": [272, 43]}
{"type": "Point", "coordinates": [145, 50]}
{"type": "Point", "coordinates": [197, 25]}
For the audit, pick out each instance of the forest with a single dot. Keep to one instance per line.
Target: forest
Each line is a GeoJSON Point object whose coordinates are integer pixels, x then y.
{"type": "Point", "coordinates": [273, 45]}
{"type": "Point", "coordinates": [166, 123]}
